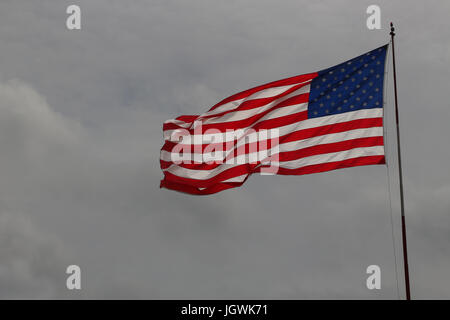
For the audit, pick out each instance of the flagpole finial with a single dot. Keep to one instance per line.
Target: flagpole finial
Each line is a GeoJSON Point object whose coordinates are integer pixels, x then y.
{"type": "Point", "coordinates": [392, 30]}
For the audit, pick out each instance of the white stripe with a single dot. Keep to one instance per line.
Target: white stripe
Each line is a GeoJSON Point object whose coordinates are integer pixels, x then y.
{"type": "Point", "coordinates": [178, 122]}
{"type": "Point", "coordinates": [244, 114]}
{"type": "Point", "coordinates": [239, 114]}
{"type": "Point", "coordinates": [332, 157]}
{"type": "Point", "coordinates": [284, 147]}
{"type": "Point", "coordinates": [301, 125]}
{"type": "Point", "coordinates": [294, 164]}
{"type": "Point", "coordinates": [268, 92]}
{"type": "Point", "coordinates": [332, 138]}
{"type": "Point", "coordinates": [265, 93]}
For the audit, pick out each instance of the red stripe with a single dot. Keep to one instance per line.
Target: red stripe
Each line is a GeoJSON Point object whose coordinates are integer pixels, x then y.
{"type": "Point", "coordinates": [331, 147]}
{"type": "Point", "coordinates": [361, 161]}
{"type": "Point", "coordinates": [247, 105]}
{"type": "Point", "coordinates": [247, 123]}
{"type": "Point", "coordinates": [302, 98]}
{"type": "Point", "coordinates": [332, 128]}
{"type": "Point", "coordinates": [296, 135]}
{"type": "Point", "coordinates": [187, 118]}
{"type": "Point", "coordinates": [231, 172]}
{"type": "Point", "coordinates": [295, 154]}
{"type": "Point", "coordinates": [260, 102]}
{"type": "Point", "coordinates": [243, 149]}
{"type": "Point", "coordinates": [315, 168]}
{"type": "Point", "coordinates": [193, 190]}
{"type": "Point", "coordinates": [278, 83]}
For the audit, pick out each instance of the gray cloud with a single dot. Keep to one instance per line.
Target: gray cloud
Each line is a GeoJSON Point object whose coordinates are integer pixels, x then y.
{"type": "Point", "coordinates": [32, 263]}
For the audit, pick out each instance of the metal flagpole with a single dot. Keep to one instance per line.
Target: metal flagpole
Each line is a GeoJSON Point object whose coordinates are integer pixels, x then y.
{"type": "Point", "coordinates": [402, 202]}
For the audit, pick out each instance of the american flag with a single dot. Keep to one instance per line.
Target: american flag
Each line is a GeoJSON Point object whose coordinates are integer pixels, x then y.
{"type": "Point", "coordinates": [304, 124]}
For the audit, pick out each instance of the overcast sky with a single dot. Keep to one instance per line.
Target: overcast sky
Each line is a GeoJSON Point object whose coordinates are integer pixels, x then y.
{"type": "Point", "coordinates": [81, 117]}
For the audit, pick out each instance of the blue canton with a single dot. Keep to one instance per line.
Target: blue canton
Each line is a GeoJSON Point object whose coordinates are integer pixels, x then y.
{"type": "Point", "coordinates": [353, 85]}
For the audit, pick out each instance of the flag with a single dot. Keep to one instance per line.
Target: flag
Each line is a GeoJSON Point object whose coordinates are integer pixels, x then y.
{"type": "Point", "coordinates": [304, 124]}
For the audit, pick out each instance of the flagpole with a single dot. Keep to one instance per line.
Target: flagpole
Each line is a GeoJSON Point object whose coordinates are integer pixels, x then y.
{"type": "Point", "coordinates": [402, 202]}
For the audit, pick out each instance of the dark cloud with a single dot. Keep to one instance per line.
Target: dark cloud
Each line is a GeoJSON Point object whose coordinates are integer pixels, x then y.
{"type": "Point", "coordinates": [80, 132]}
{"type": "Point", "coordinates": [32, 263]}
